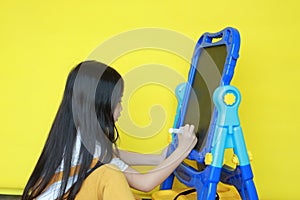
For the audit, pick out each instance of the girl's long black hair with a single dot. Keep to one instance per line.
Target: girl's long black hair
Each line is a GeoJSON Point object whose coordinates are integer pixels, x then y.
{"type": "Point", "coordinates": [91, 94]}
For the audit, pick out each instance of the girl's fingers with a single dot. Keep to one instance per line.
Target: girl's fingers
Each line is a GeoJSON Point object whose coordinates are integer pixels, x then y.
{"type": "Point", "coordinates": [189, 128]}
{"type": "Point", "coordinates": [192, 127]}
{"type": "Point", "coordinates": [187, 132]}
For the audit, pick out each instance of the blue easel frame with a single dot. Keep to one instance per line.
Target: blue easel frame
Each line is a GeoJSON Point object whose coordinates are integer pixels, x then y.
{"type": "Point", "coordinates": [206, 181]}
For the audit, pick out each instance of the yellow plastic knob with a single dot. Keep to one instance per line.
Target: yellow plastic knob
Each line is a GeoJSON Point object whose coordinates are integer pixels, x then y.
{"type": "Point", "coordinates": [208, 159]}
{"type": "Point", "coordinates": [235, 159]}
{"type": "Point", "coordinates": [229, 99]}
{"type": "Point", "coordinates": [250, 155]}
{"type": "Point", "coordinates": [170, 138]}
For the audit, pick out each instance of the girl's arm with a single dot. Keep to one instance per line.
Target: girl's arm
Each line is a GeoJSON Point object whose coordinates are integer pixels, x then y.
{"type": "Point", "coordinates": [148, 181]}
{"type": "Point", "coordinates": [134, 159]}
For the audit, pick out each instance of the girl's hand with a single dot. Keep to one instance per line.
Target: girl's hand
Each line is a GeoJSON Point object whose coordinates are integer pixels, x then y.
{"type": "Point", "coordinates": [148, 181]}
{"type": "Point", "coordinates": [187, 140]}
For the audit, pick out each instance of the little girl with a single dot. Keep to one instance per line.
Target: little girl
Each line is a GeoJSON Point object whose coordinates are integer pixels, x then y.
{"type": "Point", "coordinates": [80, 159]}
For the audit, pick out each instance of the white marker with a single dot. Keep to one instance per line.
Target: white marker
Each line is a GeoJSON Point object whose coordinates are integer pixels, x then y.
{"type": "Point", "coordinates": [175, 130]}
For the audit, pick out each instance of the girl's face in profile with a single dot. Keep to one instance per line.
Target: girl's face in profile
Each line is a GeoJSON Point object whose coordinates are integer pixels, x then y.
{"type": "Point", "coordinates": [118, 109]}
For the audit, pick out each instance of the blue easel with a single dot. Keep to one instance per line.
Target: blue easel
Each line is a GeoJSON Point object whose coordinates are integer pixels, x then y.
{"type": "Point", "coordinates": [225, 131]}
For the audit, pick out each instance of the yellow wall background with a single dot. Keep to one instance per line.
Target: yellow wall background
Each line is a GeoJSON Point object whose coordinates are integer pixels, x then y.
{"type": "Point", "coordinates": [41, 41]}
